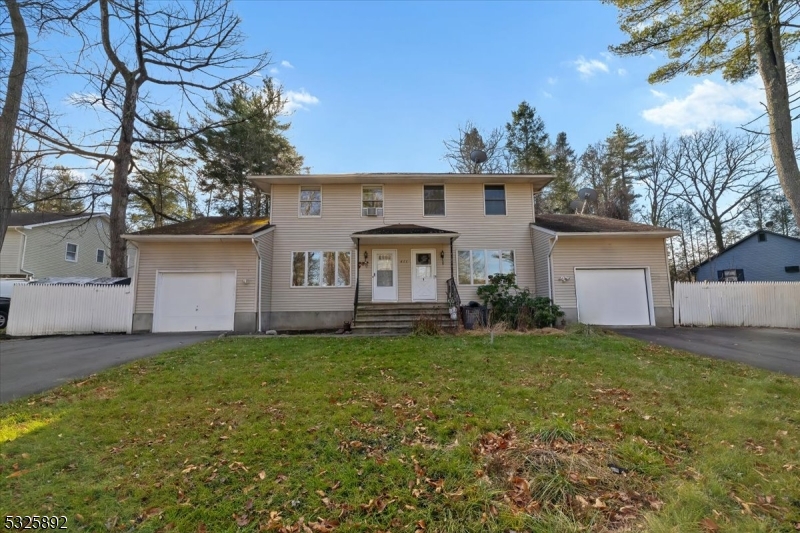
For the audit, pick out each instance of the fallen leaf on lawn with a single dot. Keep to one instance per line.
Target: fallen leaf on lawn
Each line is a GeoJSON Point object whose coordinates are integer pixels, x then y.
{"type": "Point", "coordinates": [18, 473]}
{"type": "Point", "coordinates": [581, 500]}
{"type": "Point", "coordinates": [249, 504]}
{"type": "Point", "coordinates": [152, 511]}
{"type": "Point", "coordinates": [709, 525]}
{"type": "Point", "coordinates": [598, 504]}
{"type": "Point", "coordinates": [262, 475]}
{"type": "Point", "coordinates": [242, 520]}
{"type": "Point", "coordinates": [201, 528]}
{"type": "Point", "coordinates": [320, 493]}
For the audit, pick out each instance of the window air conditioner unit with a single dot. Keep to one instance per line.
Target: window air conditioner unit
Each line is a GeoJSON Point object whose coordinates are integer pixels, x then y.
{"type": "Point", "coordinates": [372, 211]}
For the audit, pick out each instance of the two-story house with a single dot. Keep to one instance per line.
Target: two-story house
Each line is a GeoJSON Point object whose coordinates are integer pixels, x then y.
{"type": "Point", "coordinates": [380, 249]}
{"type": "Point", "coordinates": [43, 245]}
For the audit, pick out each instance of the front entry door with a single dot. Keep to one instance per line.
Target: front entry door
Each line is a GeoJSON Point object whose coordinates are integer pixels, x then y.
{"type": "Point", "coordinates": [384, 276]}
{"type": "Point", "coordinates": [423, 275]}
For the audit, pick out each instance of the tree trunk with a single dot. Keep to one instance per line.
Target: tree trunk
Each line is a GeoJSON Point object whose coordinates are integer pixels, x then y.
{"type": "Point", "coordinates": [771, 65]}
{"type": "Point", "coordinates": [716, 228]}
{"type": "Point", "coordinates": [119, 186]}
{"type": "Point", "coordinates": [10, 114]}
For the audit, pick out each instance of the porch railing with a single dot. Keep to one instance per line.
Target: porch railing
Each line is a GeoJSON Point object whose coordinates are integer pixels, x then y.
{"type": "Point", "coordinates": [453, 298]}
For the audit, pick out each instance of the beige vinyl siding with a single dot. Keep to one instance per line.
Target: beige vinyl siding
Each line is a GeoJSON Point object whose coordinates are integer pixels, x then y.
{"type": "Point", "coordinates": [541, 246]}
{"type": "Point", "coordinates": [611, 252]}
{"type": "Point", "coordinates": [197, 257]}
{"type": "Point", "coordinates": [265, 245]}
{"type": "Point", "coordinates": [45, 249]}
{"type": "Point", "coordinates": [11, 253]}
{"type": "Point", "coordinates": [403, 204]}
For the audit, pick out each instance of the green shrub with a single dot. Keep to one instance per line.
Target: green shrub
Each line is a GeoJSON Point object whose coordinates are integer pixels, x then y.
{"type": "Point", "coordinates": [516, 306]}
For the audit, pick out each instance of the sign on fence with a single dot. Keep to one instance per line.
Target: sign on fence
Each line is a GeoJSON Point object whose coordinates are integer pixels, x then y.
{"type": "Point", "coordinates": [771, 304]}
{"type": "Point", "coordinates": [69, 309]}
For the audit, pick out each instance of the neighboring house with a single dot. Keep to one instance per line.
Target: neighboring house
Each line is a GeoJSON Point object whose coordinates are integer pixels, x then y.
{"type": "Point", "coordinates": [41, 245]}
{"type": "Point", "coordinates": [382, 248]}
{"type": "Point", "coordinates": [761, 256]}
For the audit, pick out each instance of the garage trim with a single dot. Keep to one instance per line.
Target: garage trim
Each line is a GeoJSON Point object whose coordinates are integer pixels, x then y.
{"type": "Point", "coordinates": [648, 287]}
{"type": "Point", "coordinates": [187, 271]}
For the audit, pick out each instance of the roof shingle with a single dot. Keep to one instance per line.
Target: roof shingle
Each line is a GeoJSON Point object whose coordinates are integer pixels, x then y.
{"type": "Point", "coordinates": [212, 226]}
{"type": "Point", "coordinates": [591, 224]}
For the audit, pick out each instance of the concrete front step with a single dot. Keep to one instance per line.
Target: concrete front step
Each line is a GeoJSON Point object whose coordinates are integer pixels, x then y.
{"type": "Point", "coordinates": [398, 318]}
{"type": "Point", "coordinates": [401, 318]}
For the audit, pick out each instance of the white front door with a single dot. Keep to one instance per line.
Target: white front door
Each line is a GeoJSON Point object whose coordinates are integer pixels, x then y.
{"type": "Point", "coordinates": [194, 301]}
{"type": "Point", "coordinates": [384, 275]}
{"type": "Point", "coordinates": [613, 297]}
{"type": "Point", "coordinates": [423, 275]}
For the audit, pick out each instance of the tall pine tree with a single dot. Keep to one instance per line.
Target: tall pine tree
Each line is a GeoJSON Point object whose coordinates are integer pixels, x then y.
{"type": "Point", "coordinates": [253, 141]}
{"type": "Point", "coordinates": [527, 141]}
{"type": "Point", "coordinates": [624, 161]}
{"type": "Point", "coordinates": [562, 189]}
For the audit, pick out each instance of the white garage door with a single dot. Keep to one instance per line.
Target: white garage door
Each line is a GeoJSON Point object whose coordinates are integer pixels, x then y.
{"type": "Point", "coordinates": [613, 297]}
{"type": "Point", "coordinates": [194, 301]}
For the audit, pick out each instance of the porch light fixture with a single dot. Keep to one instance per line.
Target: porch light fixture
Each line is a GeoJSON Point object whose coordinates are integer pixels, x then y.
{"type": "Point", "coordinates": [365, 262]}
{"type": "Point", "coordinates": [441, 254]}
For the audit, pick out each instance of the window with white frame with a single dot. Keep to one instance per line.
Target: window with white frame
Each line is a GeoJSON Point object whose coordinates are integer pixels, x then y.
{"type": "Point", "coordinates": [494, 199]}
{"type": "Point", "coordinates": [320, 269]}
{"type": "Point", "coordinates": [310, 201]}
{"type": "Point", "coordinates": [372, 201]}
{"type": "Point", "coordinates": [72, 252]}
{"type": "Point", "coordinates": [101, 256]}
{"type": "Point", "coordinates": [475, 266]}
{"type": "Point", "coordinates": [433, 200]}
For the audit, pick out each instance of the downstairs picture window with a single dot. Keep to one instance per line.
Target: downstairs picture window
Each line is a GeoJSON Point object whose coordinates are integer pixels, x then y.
{"type": "Point", "coordinates": [475, 266]}
{"type": "Point", "coordinates": [320, 269]}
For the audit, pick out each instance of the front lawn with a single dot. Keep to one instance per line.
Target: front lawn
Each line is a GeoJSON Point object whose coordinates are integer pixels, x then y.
{"type": "Point", "coordinates": [549, 433]}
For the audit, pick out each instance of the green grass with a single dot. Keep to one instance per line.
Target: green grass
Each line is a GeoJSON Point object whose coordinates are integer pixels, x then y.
{"type": "Point", "coordinates": [405, 434]}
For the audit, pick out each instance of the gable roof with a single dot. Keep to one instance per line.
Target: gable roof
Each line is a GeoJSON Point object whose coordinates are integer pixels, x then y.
{"type": "Point", "coordinates": [592, 224]}
{"type": "Point", "coordinates": [34, 219]}
{"type": "Point", "coordinates": [695, 268]}
{"type": "Point", "coordinates": [207, 227]}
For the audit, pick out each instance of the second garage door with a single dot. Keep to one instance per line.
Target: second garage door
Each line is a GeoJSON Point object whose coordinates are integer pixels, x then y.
{"type": "Point", "coordinates": [194, 301]}
{"type": "Point", "coordinates": [613, 297]}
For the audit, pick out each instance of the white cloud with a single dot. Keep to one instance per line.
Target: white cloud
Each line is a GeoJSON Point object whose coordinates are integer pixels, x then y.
{"type": "Point", "coordinates": [622, 71]}
{"type": "Point", "coordinates": [546, 94]}
{"type": "Point", "coordinates": [659, 94]}
{"type": "Point", "coordinates": [707, 104]}
{"type": "Point", "coordinates": [256, 75]}
{"type": "Point", "coordinates": [286, 64]}
{"type": "Point", "coordinates": [589, 67]}
{"type": "Point", "coordinates": [301, 99]}
{"type": "Point", "coordinates": [552, 81]}
{"type": "Point", "coordinates": [273, 71]}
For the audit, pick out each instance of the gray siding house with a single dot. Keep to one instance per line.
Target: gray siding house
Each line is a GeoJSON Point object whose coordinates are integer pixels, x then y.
{"type": "Point", "coordinates": [761, 256]}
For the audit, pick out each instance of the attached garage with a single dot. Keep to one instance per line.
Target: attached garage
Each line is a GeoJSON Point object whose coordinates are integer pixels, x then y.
{"type": "Point", "coordinates": [613, 296]}
{"type": "Point", "coordinates": [203, 275]}
{"type": "Point", "coordinates": [603, 271]}
{"type": "Point", "coordinates": [194, 301]}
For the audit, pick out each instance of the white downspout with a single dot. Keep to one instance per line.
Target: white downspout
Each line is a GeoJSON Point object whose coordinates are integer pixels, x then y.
{"type": "Point", "coordinates": [258, 283]}
{"type": "Point", "coordinates": [22, 253]}
{"type": "Point", "coordinates": [134, 282]}
{"type": "Point", "coordinates": [550, 266]}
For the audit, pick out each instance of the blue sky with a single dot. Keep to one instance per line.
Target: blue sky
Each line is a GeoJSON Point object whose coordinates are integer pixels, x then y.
{"type": "Point", "coordinates": [377, 86]}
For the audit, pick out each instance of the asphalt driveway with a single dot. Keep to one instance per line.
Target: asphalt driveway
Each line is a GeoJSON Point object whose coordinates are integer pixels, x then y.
{"type": "Point", "coordinates": [769, 348]}
{"type": "Point", "coordinates": [28, 366]}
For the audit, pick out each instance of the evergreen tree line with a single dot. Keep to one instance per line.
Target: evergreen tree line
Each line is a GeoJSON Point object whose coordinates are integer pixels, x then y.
{"type": "Point", "coordinates": [714, 185]}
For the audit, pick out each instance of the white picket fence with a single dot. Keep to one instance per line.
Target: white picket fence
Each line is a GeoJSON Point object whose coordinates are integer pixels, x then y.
{"type": "Point", "coordinates": [772, 304]}
{"type": "Point", "coordinates": [70, 309]}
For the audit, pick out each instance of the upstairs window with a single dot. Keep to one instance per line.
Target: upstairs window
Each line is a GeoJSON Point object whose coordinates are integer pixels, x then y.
{"type": "Point", "coordinates": [433, 198]}
{"type": "Point", "coordinates": [762, 237]}
{"type": "Point", "coordinates": [731, 274]}
{"type": "Point", "coordinates": [372, 201]}
{"type": "Point", "coordinates": [795, 269]}
{"type": "Point", "coordinates": [494, 197]}
{"type": "Point", "coordinates": [310, 201]}
{"type": "Point", "coordinates": [101, 256]}
{"type": "Point", "coordinates": [72, 253]}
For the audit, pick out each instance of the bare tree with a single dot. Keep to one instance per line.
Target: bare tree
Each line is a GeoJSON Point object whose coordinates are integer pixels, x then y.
{"type": "Point", "coordinates": [14, 87]}
{"type": "Point", "coordinates": [134, 53]}
{"type": "Point", "coordinates": [719, 172]}
{"type": "Point", "coordinates": [658, 176]}
{"type": "Point", "coordinates": [457, 151]}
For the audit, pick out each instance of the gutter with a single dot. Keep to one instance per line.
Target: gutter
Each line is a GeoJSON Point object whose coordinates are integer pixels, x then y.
{"type": "Point", "coordinates": [258, 283]}
{"type": "Point", "coordinates": [550, 265]}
